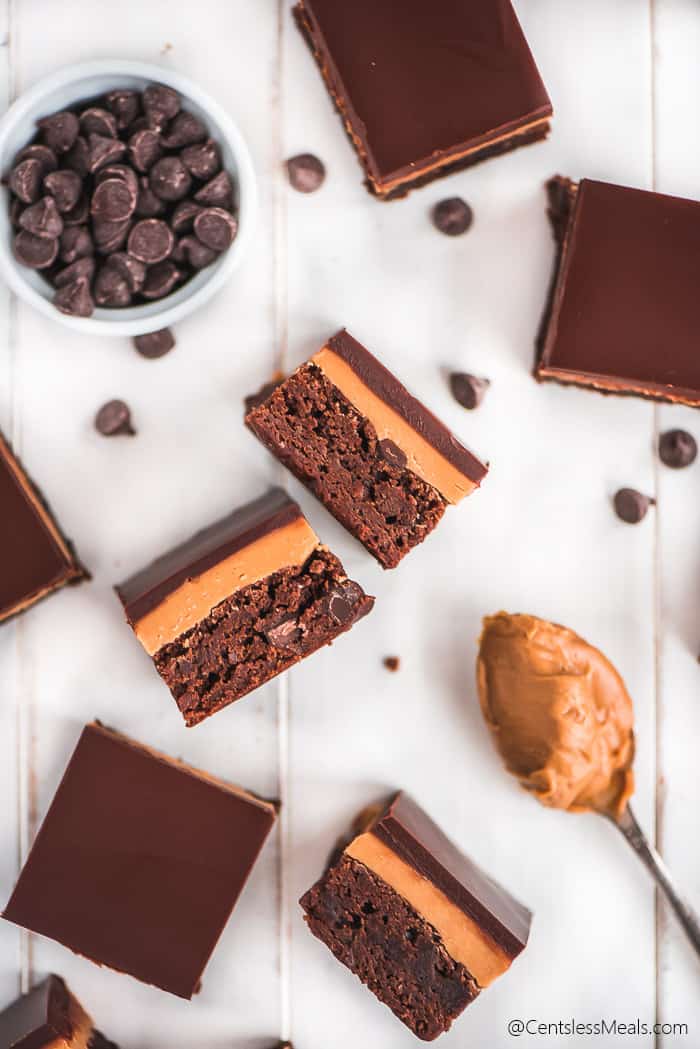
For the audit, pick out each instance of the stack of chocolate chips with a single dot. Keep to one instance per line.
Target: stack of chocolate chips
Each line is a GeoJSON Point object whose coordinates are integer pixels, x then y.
{"type": "Point", "coordinates": [121, 201]}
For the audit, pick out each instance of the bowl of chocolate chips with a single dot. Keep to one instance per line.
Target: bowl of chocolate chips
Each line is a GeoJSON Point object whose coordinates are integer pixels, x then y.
{"type": "Point", "coordinates": [129, 197]}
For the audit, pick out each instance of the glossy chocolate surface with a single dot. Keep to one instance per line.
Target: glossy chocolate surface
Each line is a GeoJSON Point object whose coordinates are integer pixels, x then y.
{"type": "Point", "coordinates": [387, 387]}
{"type": "Point", "coordinates": [38, 1019]}
{"type": "Point", "coordinates": [626, 306]}
{"type": "Point", "coordinates": [420, 78]}
{"type": "Point", "coordinates": [146, 589]}
{"type": "Point", "coordinates": [410, 833]}
{"type": "Point", "coordinates": [139, 862]}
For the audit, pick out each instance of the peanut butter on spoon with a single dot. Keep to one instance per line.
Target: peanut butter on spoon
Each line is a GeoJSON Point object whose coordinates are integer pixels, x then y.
{"type": "Point", "coordinates": [562, 721]}
{"type": "Point", "coordinates": [559, 713]}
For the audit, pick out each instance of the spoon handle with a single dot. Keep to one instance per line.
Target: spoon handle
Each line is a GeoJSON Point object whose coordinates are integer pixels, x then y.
{"type": "Point", "coordinates": [631, 830]}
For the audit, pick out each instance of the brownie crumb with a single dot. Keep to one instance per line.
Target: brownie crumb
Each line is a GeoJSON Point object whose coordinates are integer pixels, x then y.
{"type": "Point", "coordinates": [392, 663]}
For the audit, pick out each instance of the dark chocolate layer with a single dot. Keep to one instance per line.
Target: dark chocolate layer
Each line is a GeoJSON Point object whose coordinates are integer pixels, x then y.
{"type": "Point", "coordinates": [420, 82]}
{"type": "Point", "coordinates": [146, 589]}
{"type": "Point", "coordinates": [38, 1018]}
{"type": "Point", "coordinates": [387, 387]}
{"type": "Point", "coordinates": [139, 862]}
{"type": "Point", "coordinates": [410, 833]}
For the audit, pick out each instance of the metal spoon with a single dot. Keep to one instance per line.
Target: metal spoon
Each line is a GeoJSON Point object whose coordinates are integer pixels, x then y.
{"type": "Point", "coordinates": [633, 833]}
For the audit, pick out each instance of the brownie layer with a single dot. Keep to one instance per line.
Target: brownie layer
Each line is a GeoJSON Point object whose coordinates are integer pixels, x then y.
{"type": "Point", "coordinates": [401, 957]}
{"type": "Point", "coordinates": [335, 451]}
{"type": "Point", "coordinates": [258, 632]}
{"type": "Point", "coordinates": [49, 1017]}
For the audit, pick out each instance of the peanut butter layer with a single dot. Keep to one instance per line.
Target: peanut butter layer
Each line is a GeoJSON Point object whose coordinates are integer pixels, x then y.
{"type": "Point", "coordinates": [423, 458]}
{"type": "Point", "coordinates": [194, 598]}
{"type": "Point", "coordinates": [559, 714]}
{"type": "Point", "coordinates": [465, 941]}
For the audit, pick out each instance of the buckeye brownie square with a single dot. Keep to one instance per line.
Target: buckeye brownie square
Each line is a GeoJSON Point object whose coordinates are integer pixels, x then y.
{"type": "Point", "coordinates": [420, 924]}
{"type": "Point", "coordinates": [49, 1017]}
{"type": "Point", "coordinates": [376, 457]}
{"type": "Point", "coordinates": [239, 603]}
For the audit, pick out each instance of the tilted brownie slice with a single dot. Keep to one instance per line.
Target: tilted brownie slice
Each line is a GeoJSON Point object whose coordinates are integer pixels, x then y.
{"type": "Point", "coordinates": [49, 1017]}
{"type": "Point", "coordinates": [239, 603]}
{"type": "Point", "coordinates": [35, 557]}
{"type": "Point", "coordinates": [417, 921]}
{"type": "Point", "coordinates": [376, 457]}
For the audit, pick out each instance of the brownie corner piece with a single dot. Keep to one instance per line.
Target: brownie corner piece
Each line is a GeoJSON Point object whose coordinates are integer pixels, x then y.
{"type": "Point", "coordinates": [239, 603]}
{"type": "Point", "coordinates": [36, 559]}
{"type": "Point", "coordinates": [374, 455]}
{"type": "Point", "coordinates": [420, 924]}
{"type": "Point", "coordinates": [47, 1017]}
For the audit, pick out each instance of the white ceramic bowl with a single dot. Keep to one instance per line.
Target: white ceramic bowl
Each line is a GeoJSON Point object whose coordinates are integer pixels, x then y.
{"type": "Point", "coordinates": [72, 85]}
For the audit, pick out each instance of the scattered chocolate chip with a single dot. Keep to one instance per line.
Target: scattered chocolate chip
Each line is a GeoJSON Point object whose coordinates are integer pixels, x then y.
{"type": "Point", "coordinates": [155, 343]}
{"type": "Point", "coordinates": [217, 193]}
{"type": "Point", "coordinates": [253, 400]}
{"type": "Point", "coordinates": [125, 105]}
{"type": "Point", "coordinates": [97, 121]}
{"type": "Point", "coordinates": [306, 172]}
{"type": "Point", "coordinates": [452, 216]}
{"type": "Point", "coordinates": [145, 149]}
{"type": "Point", "coordinates": [341, 602]}
{"type": "Point", "coordinates": [74, 298]}
{"type": "Point", "coordinates": [392, 663]}
{"type": "Point", "coordinates": [286, 635]}
{"type": "Point", "coordinates": [42, 219]}
{"type": "Point", "coordinates": [467, 389]}
{"type": "Point", "coordinates": [78, 215]}
{"type": "Point", "coordinates": [82, 267]}
{"type": "Point", "coordinates": [392, 454]}
{"type": "Point", "coordinates": [148, 205]}
{"type": "Point", "coordinates": [103, 150]}
{"type": "Point", "coordinates": [160, 104]}
{"type": "Point", "coordinates": [75, 243]}
{"type": "Point", "coordinates": [677, 449]}
{"type": "Point", "coordinates": [185, 130]}
{"type": "Point", "coordinates": [114, 418]}
{"type": "Point", "coordinates": [65, 187]}
{"type": "Point", "coordinates": [190, 249]}
{"type": "Point", "coordinates": [35, 252]}
{"type": "Point", "coordinates": [151, 241]}
{"type": "Point", "coordinates": [110, 236]}
{"type": "Point", "coordinates": [78, 157]}
{"type": "Point", "coordinates": [36, 151]}
{"type": "Point", "coordinates": [160, 280]}
{"type": "Point", "coordinates": [113, 201]}
{"type": "Point", "coordinates": [169, 179]}
{"type": "Point", "coordinates": [25, 180]}
{"type": "Point", "coordinates": [110, 288]}
{"type": "Point", "coordinates": [216, 228]}
{"type": "Point", "coordinates": [184, 215]}
{"type": "Point", "coordinates": [59, 131]}
{"type": "Point", "coordinates": [203, 161]}
{"type": "Point", "coordinates": [133, 271]}
{"type": "Point", "coordinates": [631, 506]}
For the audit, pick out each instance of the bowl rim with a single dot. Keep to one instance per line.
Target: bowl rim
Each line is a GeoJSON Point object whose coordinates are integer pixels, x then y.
{"type": "Point", "coordinates": [11, 271]}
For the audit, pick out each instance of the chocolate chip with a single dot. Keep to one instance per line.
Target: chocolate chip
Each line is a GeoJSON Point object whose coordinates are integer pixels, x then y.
{"type": "Point", "coordinates": [145, 149]}
{"type": "Point", "coordinates": [631, 506]}
{"type": "Point", "coordinates": [160, 280]}
{"type": "Point", "coordinates": [190, 249]}
{"type": "Point", "coordinates": [148, 205]}
{"type": "Point", "coordinates": [306, 172]}
{"type": "Point", "coordinates": [452, 216]}
{"type": "Point", "coordinates": [155, 343]}
{"type": "Point", "coordinates": [97, 121]}
{"type": "Point", "coordinates": [103, 150]}
{"type": "Point", "coordinates": [677, 449]}
{"type": "Point", "coordinates": [110, 288]}
{"type": "Point", "coordinates": [169, 179]}
{"type": "Point", "coordinates": [113, 201]}
{"type": "Point", "coordinates": [121, 171]}
{"type": "Point", "coordinates": [216, 228]}
{"type": "Point", "coordinates": [78, 215]}
{"type": "Point", "coordinates": [254, 400]}
{"type": "Point", "coordinates": [185, 130]}
{"type": "Point", "coordinates": [59, 131]}
{"type": "Point", "coordinates": [42, 219]}
{"type": "Point", "coordinates": [125, 105]}
{"type": "Point", "coordinates": [392, 454]}
{"type": "Point", "coordinates": [202, 161]}
{"type": "Point", "coordinates": [160, 104]}
{"type": "Point", "coordinates": [217, 193]}
{"type": "Point", "coordinates": [467, 389]}
{"type": "Point", "coordinates": [286, 635]}
{"type": "Point", "coordinates": [75, 243]}
{"type": "Point", "coordinates": [133, 271]}
{"type": "Point", "coordinates": [184, 215]}
{"type": "Point", "coordinates": [36, 151]}
{"type": "Point", "coordinates": [78, 157]}
{"type": "Point", "coordinates": [82, 267]}
{"type": "Point", "coordinates": [25, 180]}
{"type": "Point", "coordinates": [65, 187]}
{"type": "Point", "coordinates": [341, 602]}
{"type": "Point", "coordinates": [16, 209]}
{"type": "Point", "coordinates": [151, 241]}
{"type": "Point", "coordinates": [35, 252]}
{"type": "Point", "coordinates": [110, 236]}
{"type": "Point", "coordinates": [392, 663]}
{"type": "Point", "coordinates": [114, 418]}
{"type": "Point", "coordinates": [74, 298]}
